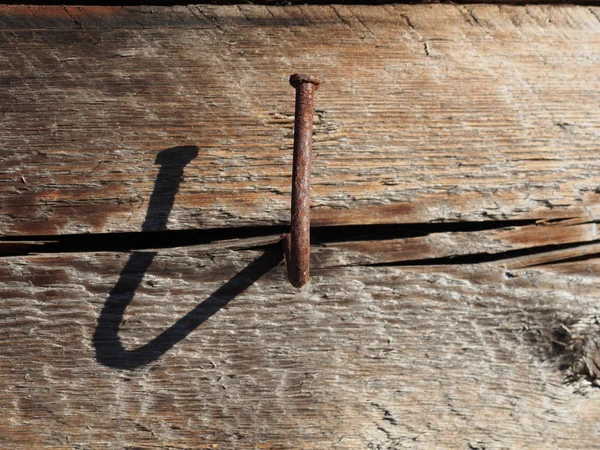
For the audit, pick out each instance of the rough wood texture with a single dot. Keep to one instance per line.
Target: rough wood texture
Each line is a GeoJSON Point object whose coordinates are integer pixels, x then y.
{"type": "Point", "coordinates": [420, 334]}
{"type": "Point", "coordinates": [427, 113]}
{"type": "Point", "coordinates": [216, 350]}
{"type": "Point", "coordinates": [149, 5]}
{"type": "Point", "coordinates": [503, 242]}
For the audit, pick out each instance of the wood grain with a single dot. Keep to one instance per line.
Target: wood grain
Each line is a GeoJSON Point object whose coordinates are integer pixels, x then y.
{"type": "Point", "coordinates": [506, 243]}
{"type": "Point", "coordinates": [427, 113]}
{"type": "Point", "coordinates": [471, 321]}
{"type": "Point", "coordinates": [451, 356]}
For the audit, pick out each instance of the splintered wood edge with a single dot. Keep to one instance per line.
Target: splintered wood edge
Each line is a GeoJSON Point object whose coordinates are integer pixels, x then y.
{"type": "Point", "coordinates": [475, 124]}
{"type": "Point", "coordinates": [512, 247]}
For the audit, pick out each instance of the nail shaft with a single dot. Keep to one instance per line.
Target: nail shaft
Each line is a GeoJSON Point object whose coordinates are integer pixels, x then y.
{"type": "Point", "coordinates": [297, 244]}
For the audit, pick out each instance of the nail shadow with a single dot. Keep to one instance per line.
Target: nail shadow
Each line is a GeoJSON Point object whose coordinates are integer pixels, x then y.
{"type": "Point", "coordinates": [107, 344]}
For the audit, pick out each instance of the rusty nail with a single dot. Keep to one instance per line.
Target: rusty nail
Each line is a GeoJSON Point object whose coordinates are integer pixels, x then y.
{"type": "Point", "coordinates": [296, 245]}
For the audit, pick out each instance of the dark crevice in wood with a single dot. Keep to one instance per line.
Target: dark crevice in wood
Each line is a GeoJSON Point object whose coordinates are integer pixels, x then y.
{"type": "Point", "coordinates": [122, 242]}
{"type": "Point", "coordinates": [479, 258]}
{"type": "Point", "coordinates": [576, 354]}
{"type": "Point", "coordinates": [572, 259]}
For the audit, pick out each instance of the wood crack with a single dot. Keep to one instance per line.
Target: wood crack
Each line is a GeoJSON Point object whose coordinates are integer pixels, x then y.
{"type": "Point", "coordinates": [128, 241]}
{"type": "Point", "coordinates": [73, 18]}
{"type": "Point", "coordinates": [136, 3]}
{"type": "Point", "coordinates": [515, 244]}
{"type": "Point", "coordinates": [481, 258]}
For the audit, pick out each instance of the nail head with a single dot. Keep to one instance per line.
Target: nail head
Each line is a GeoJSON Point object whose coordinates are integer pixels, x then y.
{"type": "Point", "coordinates": [298, 78]}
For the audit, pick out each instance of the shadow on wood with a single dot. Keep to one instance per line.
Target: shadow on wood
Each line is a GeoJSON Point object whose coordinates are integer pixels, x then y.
{"type": "Point", "coordinates": [109, 349]}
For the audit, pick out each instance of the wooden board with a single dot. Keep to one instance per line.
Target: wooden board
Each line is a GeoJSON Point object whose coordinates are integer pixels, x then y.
{"type": "Point", "coordinates": [210, 347]}
{"type": "Point", "coordinates": [427, 113]}
{"type": "Point", "coordinates": [149, 4]}
{"type": "Point", "coordinates": [455, 262]}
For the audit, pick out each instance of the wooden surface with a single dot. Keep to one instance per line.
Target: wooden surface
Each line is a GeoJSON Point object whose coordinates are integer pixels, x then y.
{"type": "Point", "coordinates": [454, 293]}
{"type": "Point", "coordinates": [426, 113]}
{"type": "Point", "coordinates": [436, 356]}
{"type": "Point", "coordinates": [150, 4]}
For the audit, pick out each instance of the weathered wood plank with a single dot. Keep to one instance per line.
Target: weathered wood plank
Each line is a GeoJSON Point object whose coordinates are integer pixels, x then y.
{"type": "Point", "coordinates": [427, 113]}
{"type": "Point", "coordinates": [231, 356]}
